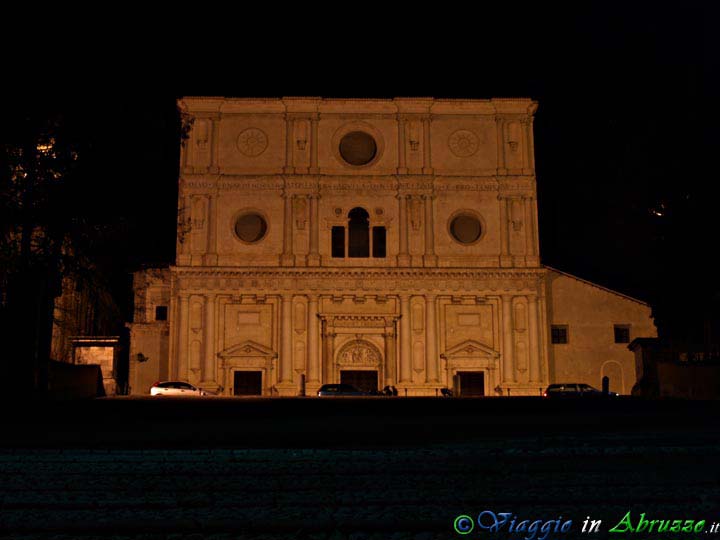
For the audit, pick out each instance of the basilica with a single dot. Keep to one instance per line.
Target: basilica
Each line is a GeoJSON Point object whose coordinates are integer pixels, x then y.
{"type": "Point", "coordinates": [372, 242]}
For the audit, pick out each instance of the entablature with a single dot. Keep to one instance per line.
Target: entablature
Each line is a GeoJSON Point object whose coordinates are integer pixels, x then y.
{"type": "Point", "coordinates": [386, 281]}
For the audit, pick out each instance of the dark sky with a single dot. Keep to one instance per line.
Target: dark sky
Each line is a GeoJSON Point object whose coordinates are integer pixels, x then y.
{"type": "Point", "coordinates": [626, 122]}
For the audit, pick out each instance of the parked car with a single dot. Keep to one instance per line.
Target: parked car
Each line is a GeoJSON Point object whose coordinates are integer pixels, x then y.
{"type": "Point", "coordinates": [339, 390]}
{"type": "Point", "coordinates": [573, 390]}
{"type": "Point", "coordinates": [175, 388]}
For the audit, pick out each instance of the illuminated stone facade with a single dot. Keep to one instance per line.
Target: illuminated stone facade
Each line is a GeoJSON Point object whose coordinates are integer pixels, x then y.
{"type": "Point", "coordinates": [379, 242]}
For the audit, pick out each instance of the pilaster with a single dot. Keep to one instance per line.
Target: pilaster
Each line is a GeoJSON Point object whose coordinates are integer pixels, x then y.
{"type": "Point", "coordinates": [403, 258]}
{"type": "Point", "coordinates": [505, 258]}
{"type": "Point", "coordinates": [500, 130]}
{"type": "Point", "coordinates": [215, 145]}
{"type": "Point", "coordinates": [402, 150]}
{"type": "Point", "coordinates": [181, 371]}
{"type": "Point", "coordinates": [427, 163]}
{"type": "Point", "coordinates": [314, 169]}
{"type": "Point", "coordinates": [507, 352]}
{"type": "Point", "coordinates": [533, 329]}
{"type": "Point", "coordinates": [431, 352]}
{"type": "Point", "coordinates": [429, 259]}
{"type": "Point", "coordinates": [328, 351]}
{"type": "Point", "coordinates": [313, 258]}
{"type": "Point", "coordinates": [313, 359]}
{"type": "Point", "coordinates": [208, 379]}
{"type": "Point", "coordinates": [289, 145]}
{"type": "Point", "coordinates": [286, 341]}
{"type": "Point", "coordinates": [287, 258]}
{"type": "Point", "coordinates": [405, 340]}
{"type": "Point", "coordinates": [390, 346]}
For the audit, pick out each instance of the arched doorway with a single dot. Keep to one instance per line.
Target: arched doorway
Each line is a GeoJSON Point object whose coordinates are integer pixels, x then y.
{"type": "Point", "coordinates": [613, 371]}
{"type": "Point", "coordinates": [359, 363]}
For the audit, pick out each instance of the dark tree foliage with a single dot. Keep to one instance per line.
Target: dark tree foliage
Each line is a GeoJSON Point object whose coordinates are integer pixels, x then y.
{"type": "Point", "coordinates": [44, 236]}
{"type": "Point", "coordinates": [66, 211]}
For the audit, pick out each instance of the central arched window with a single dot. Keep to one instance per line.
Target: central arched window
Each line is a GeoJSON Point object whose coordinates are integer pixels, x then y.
{"type": "Point", "coordinates": [358, 233]}
{"type": "Point", "coordinates": [359, 241]}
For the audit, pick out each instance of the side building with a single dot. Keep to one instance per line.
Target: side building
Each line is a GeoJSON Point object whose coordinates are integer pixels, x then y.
{"type": "Point", "coordinates": [366, 241]}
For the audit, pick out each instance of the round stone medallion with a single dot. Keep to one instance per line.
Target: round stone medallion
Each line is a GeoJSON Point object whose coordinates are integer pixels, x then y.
{"type": "Point", "coordinates": [463, 143]}
{"type": "Point", "coordinates": [252, 142]}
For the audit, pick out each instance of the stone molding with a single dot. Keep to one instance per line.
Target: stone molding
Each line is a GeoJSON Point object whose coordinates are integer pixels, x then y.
{"type": "Point", "coordinates": [372, 280]}
{"type": "Point", "coordinates": [205, 106]}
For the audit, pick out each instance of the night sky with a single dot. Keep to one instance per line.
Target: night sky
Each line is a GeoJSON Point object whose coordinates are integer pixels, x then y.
{"type": "Point", "coordinates": [625, 133]}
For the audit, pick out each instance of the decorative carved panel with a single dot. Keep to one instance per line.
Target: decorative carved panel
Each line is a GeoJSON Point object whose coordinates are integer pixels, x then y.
{"type": "Point", "coordinates": [418, 317]}
{"type": "Point", "coordinates": [300, 318]}
{"type": "Point", "coordinates": [195, 355]}
{"type": "Point", "coordinates": [468, 322]}
{"type": "Point", "coordinates": [520, 318]}
{"type": "Point", "coordinates": [418, 356]}
{"type": "Point", "coordinates": [248, 322]}
{"type": "Point", "coordinates": [196, 312]}
{"type": "Point", "coordinates": [359, 353]}
{"type": "Point", "coordinates": [299, 356]}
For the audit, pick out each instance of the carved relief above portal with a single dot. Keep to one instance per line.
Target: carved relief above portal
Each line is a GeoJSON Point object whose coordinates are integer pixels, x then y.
{"type": "Point", "coordinates": [359, 353]}
{"type": "Point", "coordinates": [252, 142]}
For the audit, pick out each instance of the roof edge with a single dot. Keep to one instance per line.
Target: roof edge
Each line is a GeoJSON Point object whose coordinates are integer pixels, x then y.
{"type": "Point", "coordinates": [606, 289]}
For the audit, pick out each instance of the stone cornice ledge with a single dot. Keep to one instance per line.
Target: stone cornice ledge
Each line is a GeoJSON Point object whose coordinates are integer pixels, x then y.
{"type": "Point", "coordinates": [359, 273]}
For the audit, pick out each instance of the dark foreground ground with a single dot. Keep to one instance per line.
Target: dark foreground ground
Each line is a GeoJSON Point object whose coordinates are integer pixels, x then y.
{"type": "Point", "coordinates": [352, 468]}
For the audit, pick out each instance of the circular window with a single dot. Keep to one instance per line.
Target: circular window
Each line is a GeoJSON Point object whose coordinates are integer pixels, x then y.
{"type": "Point", "coordinates": [358, 148]}
{"type": "Point", "coordinates": [465, 228]}
{"type": "Point", "coordinates": [250, 227]}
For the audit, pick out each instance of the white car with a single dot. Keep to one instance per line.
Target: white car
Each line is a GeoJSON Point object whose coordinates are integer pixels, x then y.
{"type": "Point", "coordinates": [175, 388]}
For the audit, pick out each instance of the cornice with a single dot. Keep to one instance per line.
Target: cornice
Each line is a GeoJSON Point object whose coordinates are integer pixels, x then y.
{"type": "Point", "coordinates": [398, 105]}
{"type": "Point", "coordinates": [357, 273]}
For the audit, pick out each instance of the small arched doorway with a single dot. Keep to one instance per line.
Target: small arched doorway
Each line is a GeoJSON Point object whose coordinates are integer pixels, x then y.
{"type": "Point", "coordinates": [613, 371]}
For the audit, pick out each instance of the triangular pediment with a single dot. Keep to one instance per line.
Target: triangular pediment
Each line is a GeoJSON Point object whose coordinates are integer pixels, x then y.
{"type": "Point", "coordinates": [471, 347]}
{"type": "Point", "coordinates": [247, 348]}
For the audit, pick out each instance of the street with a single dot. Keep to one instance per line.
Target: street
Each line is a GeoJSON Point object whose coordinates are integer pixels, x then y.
{"type": "Point", "coordinates": [324, 469]}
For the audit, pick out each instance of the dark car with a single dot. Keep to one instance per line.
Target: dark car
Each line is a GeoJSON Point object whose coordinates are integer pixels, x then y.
{"type": "Point", "coordinates": [339, 390]}
{"type": "Point", "coordinates": [573, 390]}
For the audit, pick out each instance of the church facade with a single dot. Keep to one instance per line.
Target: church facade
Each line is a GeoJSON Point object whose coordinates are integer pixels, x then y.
{"type": "Point", "coordinates": [374, 242]}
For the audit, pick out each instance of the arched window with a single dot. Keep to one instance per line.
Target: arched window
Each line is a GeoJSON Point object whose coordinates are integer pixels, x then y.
{"type": "Point", "coordinates": [358, 233]}
{"type": "Point", "coordinates": [359, 242]}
